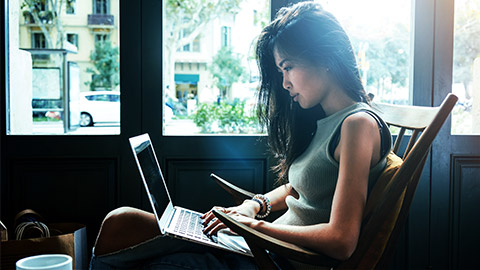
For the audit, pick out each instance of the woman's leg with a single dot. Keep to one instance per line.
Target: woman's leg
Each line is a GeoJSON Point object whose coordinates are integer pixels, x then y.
{"type": "Point", "coordinates": [130, 238]}
{"type": "Point", "coordinates": [125, 227]}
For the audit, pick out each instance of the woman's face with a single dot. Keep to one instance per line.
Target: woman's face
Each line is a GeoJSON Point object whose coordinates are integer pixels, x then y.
{"type": "Point", "coordinates": [306, 84]}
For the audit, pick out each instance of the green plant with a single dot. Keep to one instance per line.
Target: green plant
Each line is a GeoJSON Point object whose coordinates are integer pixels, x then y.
{"type": "Point", "coordinates": [105, 58]}
{"type": "Point", "coordinates": [225, 117]}
{"type": "Point", "coordinates": [204, 117]}
{"type": "Point", "coordinates": [226, 69]}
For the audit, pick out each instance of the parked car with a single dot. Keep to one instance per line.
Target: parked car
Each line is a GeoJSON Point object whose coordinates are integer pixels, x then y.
{"type": "Point", "coordinates": [99, 107]}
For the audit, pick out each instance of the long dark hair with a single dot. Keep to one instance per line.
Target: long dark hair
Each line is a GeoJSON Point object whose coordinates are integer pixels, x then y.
{"type": "Point", "coordinates": [308, 33]}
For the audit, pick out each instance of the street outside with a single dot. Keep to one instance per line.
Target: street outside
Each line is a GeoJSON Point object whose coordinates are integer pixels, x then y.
{"type": "Point", "coordinates": [172, 128]}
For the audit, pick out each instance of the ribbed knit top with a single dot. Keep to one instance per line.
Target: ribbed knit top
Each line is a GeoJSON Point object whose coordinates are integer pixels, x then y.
{"type": "Point", "coordinates": [314, 173]}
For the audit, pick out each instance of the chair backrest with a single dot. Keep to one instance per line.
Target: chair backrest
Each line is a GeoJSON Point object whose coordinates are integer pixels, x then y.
{"type": "Point", "coordinates": [389, 202]}
{"type": "Point", "coordinates": [413, 118]}
{"type": "Point", "coordinates": [409, 120]}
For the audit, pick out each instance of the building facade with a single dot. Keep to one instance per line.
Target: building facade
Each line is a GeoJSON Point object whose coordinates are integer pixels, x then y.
{"type": "Point", "coordinates": [83, 22]}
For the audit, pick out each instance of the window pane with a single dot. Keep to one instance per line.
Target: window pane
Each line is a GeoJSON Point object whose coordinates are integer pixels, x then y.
{"type": "Point", "coordinates": [210, 72]}
{"type": "Point", "coordinates": [73, 39]}
{"type": "Point", "coordinates": [380, 34]}
{"type": "Point", "coordinates": [466, 67]}
{"type": "Point", "coordinates": [70, 6]}
{"type": "Point", "coordinates": [54, 62]}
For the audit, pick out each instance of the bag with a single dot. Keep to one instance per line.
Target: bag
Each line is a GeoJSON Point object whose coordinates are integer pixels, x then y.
{"type": "Point", "coordinates": [71, 240]}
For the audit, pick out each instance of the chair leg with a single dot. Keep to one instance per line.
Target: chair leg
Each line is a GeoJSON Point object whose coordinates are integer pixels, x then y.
{"type": "Point", "coordinates": [263, 260]}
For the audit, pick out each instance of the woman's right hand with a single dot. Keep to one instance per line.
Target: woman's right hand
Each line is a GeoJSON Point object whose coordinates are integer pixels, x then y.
{"type": "Point", "coordinates": [212, 225]}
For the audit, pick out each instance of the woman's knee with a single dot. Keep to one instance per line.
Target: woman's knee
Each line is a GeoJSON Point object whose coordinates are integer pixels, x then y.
{"type": "Point", "coordinates": [123, 227]}
{"type": "Point", "coordinates": [124, 218]}
{"type": "Point", "coordinates": [114, 219]}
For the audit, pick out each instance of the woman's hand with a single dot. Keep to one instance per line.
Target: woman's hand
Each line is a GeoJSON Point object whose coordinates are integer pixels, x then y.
{"type": "Point", "coordinates": [244, 213]}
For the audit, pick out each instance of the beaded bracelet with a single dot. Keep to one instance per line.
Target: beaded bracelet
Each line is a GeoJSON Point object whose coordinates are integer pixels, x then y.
{"type": "Point", "coordinates": [259, 203]}
{"type": "Point", "coordinates": [266, 205]}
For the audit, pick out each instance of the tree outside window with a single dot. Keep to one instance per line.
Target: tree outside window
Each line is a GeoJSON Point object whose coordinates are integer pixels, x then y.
{"type": "Point", "coordinates": [226, 70]}
{"type": "Point", "coordinates": [466, 67]}
{"type": "Point", "coordinates": [105, 75]}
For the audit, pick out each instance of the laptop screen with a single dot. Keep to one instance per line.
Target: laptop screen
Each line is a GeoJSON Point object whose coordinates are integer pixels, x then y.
{"type": "Point", "coordinates": [153, 176]}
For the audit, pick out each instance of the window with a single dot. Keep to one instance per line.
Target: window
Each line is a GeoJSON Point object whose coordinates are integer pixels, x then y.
{"type": "Point", "coordinates": [103, 97]}
{"type": "Point", "coordinates": [196, 44]}
{"type": "Point", "coordinates": [45, 87]}
{"type": "Point", "coordinates": [466, 67]}
{"type": "Point", "coordinates": [70, 6]}
{"type": "Point", "coordinates": [42, 5]}
{"type": "Point", "coordinates": [210, 74]}
{"type": "Point", "coordinates": [100, 7]}
{"type": "Point", "coordinates": [193, 46]}
{"type": "Point", "coordinates": [73, 39]}
{"type": "Point", "coordinates": [101, 38]}
{"type": "Point", "coordinates": [38, 41]}
{"type": "Point", "coordinates": [380, 34]}
{"type": "Point", "coordinates": [226, 40]}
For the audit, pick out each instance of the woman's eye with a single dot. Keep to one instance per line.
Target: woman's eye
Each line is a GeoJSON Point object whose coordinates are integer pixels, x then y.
{"type": "Point", "coordinates": [287, 68]}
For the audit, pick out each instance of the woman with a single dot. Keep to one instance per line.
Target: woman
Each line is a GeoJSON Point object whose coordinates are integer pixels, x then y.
{"type": "Point", "coordinates": [331, 149]}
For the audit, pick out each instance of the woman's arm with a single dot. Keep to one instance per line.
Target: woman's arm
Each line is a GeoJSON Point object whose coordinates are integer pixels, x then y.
{"type": "Point", "coordinates": [249, 208]}
{"type": "Point", "coordinates": [338, 238]}
{"type": "Point", "coordinates": [278, 195]}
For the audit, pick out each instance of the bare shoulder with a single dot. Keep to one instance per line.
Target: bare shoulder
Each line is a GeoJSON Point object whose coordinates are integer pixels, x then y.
{"type": "Point", "coordinates": [360, 135]}
{"type": "Point", "coordinates": [360, 122]}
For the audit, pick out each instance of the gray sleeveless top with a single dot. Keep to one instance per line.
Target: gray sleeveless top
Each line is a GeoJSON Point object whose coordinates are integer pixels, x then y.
{"type": "Point", "coordinates": [314, 173]}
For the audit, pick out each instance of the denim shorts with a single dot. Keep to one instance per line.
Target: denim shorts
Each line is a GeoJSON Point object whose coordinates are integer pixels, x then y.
{"type": "Point", "coordinates": [163, 252]}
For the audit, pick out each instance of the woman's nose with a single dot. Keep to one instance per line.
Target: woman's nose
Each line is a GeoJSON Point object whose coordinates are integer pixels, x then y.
{"type": "Point", "coordinates": [286, 83]}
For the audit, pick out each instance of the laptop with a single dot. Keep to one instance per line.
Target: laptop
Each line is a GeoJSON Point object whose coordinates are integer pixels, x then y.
{"type": "Point", "coordinates": [172, 220]}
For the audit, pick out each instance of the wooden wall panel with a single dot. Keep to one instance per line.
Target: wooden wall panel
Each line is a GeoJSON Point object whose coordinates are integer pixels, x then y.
{"type": "Point", "coordinates": [65, 189]}
{"type": "Point", "coordinates": [465, 212]}
{"type": "Point", "coordinates": [190, 184]}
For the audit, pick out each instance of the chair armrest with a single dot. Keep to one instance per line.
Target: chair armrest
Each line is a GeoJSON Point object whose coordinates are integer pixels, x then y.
{"type": "Point", "coordinates": [238, 194]}
{"type": "Point", "coordinates": [282, 248]}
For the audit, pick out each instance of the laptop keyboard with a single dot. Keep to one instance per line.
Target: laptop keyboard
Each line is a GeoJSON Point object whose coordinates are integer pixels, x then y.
{"type": "Point", "coordinates": [190, 224]}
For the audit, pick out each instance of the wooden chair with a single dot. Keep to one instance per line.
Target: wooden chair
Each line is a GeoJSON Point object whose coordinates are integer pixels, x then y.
{"type": "Point", "coordinates": [238, 194]}
{"type": "Point", "coordinates": [388, 203]}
